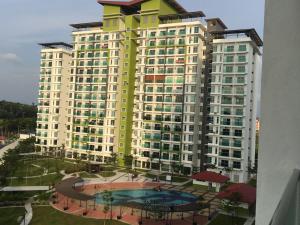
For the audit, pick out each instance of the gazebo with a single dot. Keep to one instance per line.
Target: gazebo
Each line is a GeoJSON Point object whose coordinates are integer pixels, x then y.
{"type": "Point", "coordinates": [67, 190]}
{"type": "Point", "coordinates": [210, 179]}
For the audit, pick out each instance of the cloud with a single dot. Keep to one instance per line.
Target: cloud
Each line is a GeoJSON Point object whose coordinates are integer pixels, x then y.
{"type": "Point", "coordinates": [9, 57]}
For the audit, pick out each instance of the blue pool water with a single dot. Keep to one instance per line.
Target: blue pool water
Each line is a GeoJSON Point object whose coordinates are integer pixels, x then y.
{"type": "Point", "coordinates": [143, 195]}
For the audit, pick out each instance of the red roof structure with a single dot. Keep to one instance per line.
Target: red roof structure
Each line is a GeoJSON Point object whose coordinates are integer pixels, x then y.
{"type": "Point", "coordinates": [246, 192]}
{"type": "Point", "coordinates": [2, 138]}
{"type": "Point", "coordinates": [134, 3]}
{"type": "Point", "coordinates": [210, 177]}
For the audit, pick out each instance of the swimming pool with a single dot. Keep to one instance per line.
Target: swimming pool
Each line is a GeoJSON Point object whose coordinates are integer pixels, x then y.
{"type": "Point", "coordinates": [141, 196]}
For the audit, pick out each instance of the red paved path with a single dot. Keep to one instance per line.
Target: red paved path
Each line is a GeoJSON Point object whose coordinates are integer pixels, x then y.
{"type": "Point", "coordinates": [96, 212]}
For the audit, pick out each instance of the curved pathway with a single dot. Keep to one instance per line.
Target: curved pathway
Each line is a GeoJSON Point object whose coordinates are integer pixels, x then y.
{"type": "Point", "coordinates": [28, 216]}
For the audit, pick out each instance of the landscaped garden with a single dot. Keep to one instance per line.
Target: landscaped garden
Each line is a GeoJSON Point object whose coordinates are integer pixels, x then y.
{"type": "Point", "coordinates": [162, 177]}
{"type": "Point", "coordinates": [227, 220]}
{"type": "Point", "coordinates": [53, 217]}
{"type": "Point", "coordinates": [36, 181]}
{"type": "Point", "coordinates": [11, 215]}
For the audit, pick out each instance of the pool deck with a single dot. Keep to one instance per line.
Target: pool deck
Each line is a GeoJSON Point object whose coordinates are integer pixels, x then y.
{"type": "Point", "coordinates": [132, 216]}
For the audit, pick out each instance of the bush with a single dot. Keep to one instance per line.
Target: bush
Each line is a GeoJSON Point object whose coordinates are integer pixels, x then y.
{"type": "Point", "coordinates": [107, 174]}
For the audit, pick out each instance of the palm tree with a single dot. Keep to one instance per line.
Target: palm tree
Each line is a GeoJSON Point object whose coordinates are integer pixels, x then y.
{"type": "Point", "coordinates": [108, 200]}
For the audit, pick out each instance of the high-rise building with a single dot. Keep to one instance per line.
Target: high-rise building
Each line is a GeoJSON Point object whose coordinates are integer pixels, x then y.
{"type": "Point", "coordinates": [232, 118]}
{"type": "Point", "coordinates": [53, 96]}
{"type": "Point", "coordinates": [148, 82]}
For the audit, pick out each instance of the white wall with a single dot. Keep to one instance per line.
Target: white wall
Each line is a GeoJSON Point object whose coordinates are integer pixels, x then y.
{"type": "Point", "coordinates": [280, 119]}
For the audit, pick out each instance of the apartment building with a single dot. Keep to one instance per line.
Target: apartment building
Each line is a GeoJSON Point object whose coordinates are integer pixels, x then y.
{"type": "Point", "coordinates": [232, 118]}
{"type": "Point", "coordinates": [142, 83]}
{"type": "Point", "coordinates": [53, 96]}
{"type": "Point", "coordinates": [167, 120]}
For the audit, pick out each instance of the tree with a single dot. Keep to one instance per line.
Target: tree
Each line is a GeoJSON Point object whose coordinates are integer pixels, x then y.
{"type": "Point", "coordinates": [77, 159]}
{"type": "Point", "coordinates": [62, 152]}
{"type": "Point", "coordinates": [128, 160]}
{"type": "Point", "coordinates": [107, 199]}
{"type": "Point", "coordinates": [113, 158]}
{"type": "Point", "coordinates": [231, 204]}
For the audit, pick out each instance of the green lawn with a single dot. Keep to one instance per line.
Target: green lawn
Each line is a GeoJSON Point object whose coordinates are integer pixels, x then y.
{"type": "Point", "coordinates": [49, 216]}
{"type": "Point", "coordinates": [42, 181]}
{"type": "Point", "coordinates": [24, 169]}
{"type": "Point", "coordinates": [227, 220]}
{"type": "Point", "coordinates": [108, 168]}
{"type": "Point", "coordinates": [107, 174]}
{"type": "Point", "coordinates": [54, 165]}
{"type": "Point", "coordinates": [178, 179]}
{"type": "Point", "coordinates": [18, 196]}
{"type": "Point", "coordinates": [9, 216]}
{"type": "Point", "coordinates": [87, 175]}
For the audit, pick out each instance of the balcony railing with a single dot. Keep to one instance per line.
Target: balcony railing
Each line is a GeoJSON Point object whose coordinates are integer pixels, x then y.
{"type": "Point", "coordinates": [287, 211]}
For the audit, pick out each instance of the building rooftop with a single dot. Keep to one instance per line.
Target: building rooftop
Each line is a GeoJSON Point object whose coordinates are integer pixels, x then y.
{"type": "Point", "coordinates": [55, 45]}
{"type": "Point", "coordinates": [87, 25]}
{"type": "Point", "coordinates": [248, 32]}
{"type": "Point", "coordinates": [135, 4]}
{"type": "Point", "coordinates": [210, 177]}
{"type": "Point", "coordinates": [246, 193]}
{"type": "Point", "coordinates": [186, 15]}
{"type": "Point", "coordinates": [218, 20]}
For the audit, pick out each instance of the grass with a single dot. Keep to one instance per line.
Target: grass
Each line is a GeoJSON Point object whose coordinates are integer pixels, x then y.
{"type": "Point", "coordinates": [24, 169]}
{"type": "Point", "coordinates": [108, 168]}
{"type": "Point", "coordinates": [227, 220]}
{"type": "Point", "coordinates": [242, 212]}
{"type": "Point", "coordinates": [40, 181]}
{"type": "Point", "coordinates": [9, 216]}
{"type": "Point", "coordinates": [18, 196]}
{"type": "Point", "coordinates": [178, 179]}
{"type": "Point", "coordinates": [107, 173]}
{"type": "Point", "coordinates": [87, 175]}
{"type": "Point", "coordinates": [56, 165]}
{"type": "Point", "coordinates": [49, 216]}
{"type": "Point", "coordinates": [196, 186]}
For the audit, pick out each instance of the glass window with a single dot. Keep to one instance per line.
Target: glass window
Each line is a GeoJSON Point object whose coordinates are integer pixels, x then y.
{"type": "Point", "coordinates": [230, 48]}
{"type": "Point", "coordinates": [242, 48]}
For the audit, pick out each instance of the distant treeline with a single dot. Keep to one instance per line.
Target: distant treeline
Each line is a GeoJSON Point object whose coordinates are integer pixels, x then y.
{"type": "Point", "coordinates": [11, 110]}
{"type": "Point", "coordinates": [16, 117]}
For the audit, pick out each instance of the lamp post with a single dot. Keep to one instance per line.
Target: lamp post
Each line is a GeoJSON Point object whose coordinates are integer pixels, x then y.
{"type": "Point", "coordinates": [111, 201]}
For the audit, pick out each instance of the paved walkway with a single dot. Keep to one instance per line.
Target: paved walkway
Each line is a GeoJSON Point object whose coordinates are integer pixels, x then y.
{"type": "Point", "coordinates": [250, 221]}
{"type": "Point", "coordinates": [24, 188]}
{"type": "Point", "coordinates": [6, 148]}
{"type": "Point", "coordinates": [28, 216]}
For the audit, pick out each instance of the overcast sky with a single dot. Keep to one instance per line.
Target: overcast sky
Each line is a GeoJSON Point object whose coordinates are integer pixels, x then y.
{"type": "Point", "coordinates": [24, 23]}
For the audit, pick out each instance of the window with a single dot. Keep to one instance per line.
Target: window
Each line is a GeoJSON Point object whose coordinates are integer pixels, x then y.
{"type": "Point", "coordinates": [241, 69]}
{"type": "Point", "coordinates": [224, 163]}
{"type": "Point", "coordinates": [228, 69]}
{"type": "Point", "coordinates": [229, 58]}
{"type": "Point", "coordinates": [237, 154]}
{"type": "Point", "coordinates": [240, 80]}
{"type": "Point", "coordinates": [196, 30]}
{"type": "Point", "coordinates": [145, 19]}
{"type": "Point", "coordinates": [230, 48]}
{"type": "Point", "coordinates": [242, 58]}
{"type": "Point", "coordinates": [237, 165]}
{"type": "Point", "coordinates": [242, 48]}
{"type": "Point", "coordinates": [107, 22]}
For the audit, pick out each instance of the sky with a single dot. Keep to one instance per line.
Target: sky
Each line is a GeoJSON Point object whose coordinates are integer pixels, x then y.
{"type": "Point", "coordinates": [25, 23]}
